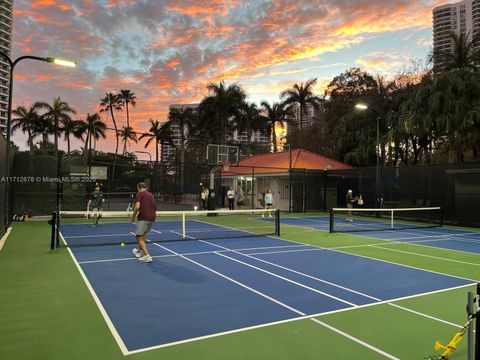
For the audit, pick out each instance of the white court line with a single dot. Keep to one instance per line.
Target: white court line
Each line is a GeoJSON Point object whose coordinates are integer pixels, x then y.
{"type": "Point", "coordinates": [4, 238]}
{"type": "Point", "coordinates": [298, 312]}
{"type": "Point", "coordinates": [284, 252]}
{"type": "Point", "coordinates": [423, 255]}
{"type": "Point", "coordinates": [294, 319]}
{"type": "Point", "coordinates": [191, 253]}
{"type": "Point", "coordinates": [120, 342]}
{"type": "Point", "coordinates": [364, 256]}
{"type": "Point", "coordinates": [99, 304]}
{"type": "Point", "coordinates": [344, 288]}
{"type": "Point", "coordinates": [392, 241]}
{"type": "Point", "coordinates": [363, 343]}
{"type": "Point", "coordinates": [327, 282]}
{"type": "Point", "coordinates": [94, 235]}
{"type": "Point", "coordinates": [371, 347]}
{"type": "Point", "coordinates": [299, 273]}
{"type": "Point", "coordinates": [287, 280]}
{"type": "Point", "coordinates": [426, 316]}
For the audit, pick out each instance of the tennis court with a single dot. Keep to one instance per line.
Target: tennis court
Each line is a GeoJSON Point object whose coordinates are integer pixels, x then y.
{"type": "Point", "coordinates": [467, 240]}
{"type": "Point", "coordinates": [223, 282]}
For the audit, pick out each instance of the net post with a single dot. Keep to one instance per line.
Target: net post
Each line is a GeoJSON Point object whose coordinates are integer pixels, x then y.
{"type": "Point", "coordinates": [54, 236]}
{"type": "Point", "coordinates": [441, 217]}
{"type": "Point", "coordinates": [391, 219]}
{"type": "Point", "coordinates": [184, 232]}
{"type": "Point", "coordinates": [331, 221]}
{"type": "Point", "coordinates": [277, 222]}
{"type": "Point", "coordinates": [470, 338]}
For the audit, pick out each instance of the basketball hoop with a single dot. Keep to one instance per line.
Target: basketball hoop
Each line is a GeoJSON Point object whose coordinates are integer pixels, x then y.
{"type": "Point", "coordinates": [225, 165]}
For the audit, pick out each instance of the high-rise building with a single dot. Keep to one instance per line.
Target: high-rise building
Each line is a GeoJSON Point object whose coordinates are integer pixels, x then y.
{"type": "Point", "coordinates": [462, 18]}
{"type": "Point", "coordinates": [6, 17]}
{"type": "Point", "coordinates": [308, 115]}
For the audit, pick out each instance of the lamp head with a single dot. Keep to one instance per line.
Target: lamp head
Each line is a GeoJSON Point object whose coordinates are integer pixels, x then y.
{"type": "Point", "coordinates": [361, 107]}
{"type": "Point", "coordinates": [62, 62]}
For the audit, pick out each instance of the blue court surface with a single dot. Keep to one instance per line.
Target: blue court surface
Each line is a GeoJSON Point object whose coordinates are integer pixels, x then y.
{"type": "Point", "coordinates": [197, 288]}
{"type": "Point", "coordinates": [440, 237]}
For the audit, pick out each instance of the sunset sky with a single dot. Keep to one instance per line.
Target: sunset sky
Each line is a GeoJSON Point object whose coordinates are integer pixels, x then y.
{"type": "Point", "coordinates": [167, 51]}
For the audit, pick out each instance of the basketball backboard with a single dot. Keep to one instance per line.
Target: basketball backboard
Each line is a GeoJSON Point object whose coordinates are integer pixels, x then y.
{"type": "Point", "coordinates": [220, 154]}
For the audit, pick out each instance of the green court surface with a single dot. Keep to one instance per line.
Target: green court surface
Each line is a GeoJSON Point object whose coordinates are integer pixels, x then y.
{"type": "Point", "coordinates": [47, 312]}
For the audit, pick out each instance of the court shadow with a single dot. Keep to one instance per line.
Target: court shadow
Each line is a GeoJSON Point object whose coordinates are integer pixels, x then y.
{"type": "Point", "coordinates": [175, 272]}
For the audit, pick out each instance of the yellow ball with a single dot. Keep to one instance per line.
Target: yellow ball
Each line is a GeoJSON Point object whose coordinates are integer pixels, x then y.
{"type": "Point", "coordinates": [122, 244]}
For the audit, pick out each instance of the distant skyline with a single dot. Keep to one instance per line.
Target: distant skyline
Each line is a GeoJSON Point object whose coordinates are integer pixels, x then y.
{"type": "Point", "coordinates": [169, 51]}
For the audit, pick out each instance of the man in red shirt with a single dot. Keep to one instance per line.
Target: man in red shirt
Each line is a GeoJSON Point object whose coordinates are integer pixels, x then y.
{"type": "Point", "coordinates": [145, 208]}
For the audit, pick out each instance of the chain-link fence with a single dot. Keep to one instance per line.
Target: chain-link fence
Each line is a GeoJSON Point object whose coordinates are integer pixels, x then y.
{"type": "Point", "coordinates": [4, 217]}
{"type": "Point", "coordinates": [177, 186]}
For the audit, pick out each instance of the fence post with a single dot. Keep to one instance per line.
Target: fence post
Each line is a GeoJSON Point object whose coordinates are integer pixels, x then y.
{"type": "Point", "coordinates": [54, 236]}
{"type": "Point", "coordinates": [277, 222]}
{"type": "Point", "coordinates": [477, 325]}
{"type": "Point", "coordinates": [253, 188]}
{"type": "Point", "coordinates": [331, 221]}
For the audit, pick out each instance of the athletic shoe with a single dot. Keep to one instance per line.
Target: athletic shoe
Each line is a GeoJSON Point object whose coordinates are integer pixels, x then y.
{"type": "Point", "coordinates": [145, 259]}
{"type": "Point", "coordinates": [270, 216]}
{"type": "Point", "coordinates": [137, 253]}
{"type": "Point", "coordinates": [263, 215]}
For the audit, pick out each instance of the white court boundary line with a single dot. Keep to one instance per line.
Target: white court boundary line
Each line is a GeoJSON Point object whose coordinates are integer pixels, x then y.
{"type": "Point", "coordinates": [298, 312]}
{"type": "Point", "coordinates": [126, 352]}
{"type": "Point", "coordinates": [292, 320]}
{"type": "Point", "coordinates": [99, 304]}
{"type": "Point", "coordinates": [194, 253]}
{"type": "Point", "coordinates": [4, 238]}
{"type": "Point", "coordinates": [424, 255]}
{"type": "Point", "coordinates": [362, 256]}
{"type": "Point", "coordinates": [335, 285]}
{"type": "Point", "coordinates": [387, 242]}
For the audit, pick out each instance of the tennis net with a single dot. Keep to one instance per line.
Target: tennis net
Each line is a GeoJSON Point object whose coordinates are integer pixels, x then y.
{"type": "Point", "coordinates": [358, 219]}
{"type": "Point", "coordinates": [77, 228]}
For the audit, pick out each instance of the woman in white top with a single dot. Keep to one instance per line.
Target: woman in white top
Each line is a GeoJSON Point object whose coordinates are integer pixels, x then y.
{"type": "Point", "coordinates": [231, 198]}
{"type": "Point", "coordinates": [268, 202]}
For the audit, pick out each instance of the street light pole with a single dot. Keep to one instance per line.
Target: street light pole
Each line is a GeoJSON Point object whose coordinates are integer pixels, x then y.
{"type": "Point", "coordinates": [290, 176]}
{"type": "Point", "coordinates": [12, 64]}
{"type": "Point", "coordinates": [377, 150]}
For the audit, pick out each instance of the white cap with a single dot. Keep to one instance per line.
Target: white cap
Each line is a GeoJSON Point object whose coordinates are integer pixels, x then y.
{"type": "Point", "coordinates": [350, 191]}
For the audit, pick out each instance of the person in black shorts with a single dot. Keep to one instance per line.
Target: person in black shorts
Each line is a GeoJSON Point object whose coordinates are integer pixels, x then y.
{"type": "Point", "coordinates": [95, 203]}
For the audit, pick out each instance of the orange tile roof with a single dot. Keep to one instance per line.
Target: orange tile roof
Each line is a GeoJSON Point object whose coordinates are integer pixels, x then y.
{"type": "Point", "coordinates": [272, 163]}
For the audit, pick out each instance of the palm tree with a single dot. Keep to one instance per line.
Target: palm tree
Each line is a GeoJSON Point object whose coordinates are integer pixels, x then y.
{"type": "Point", "coordinates": [249, 120]}
{"type": "Point", "coordinates": [110, 103]}
{"type": "Point", "coordinates": [221, 104]}
{"type": "Point", "coordinates": [26, 121]}
{"type": "Point", "coordinates": [465, 54]}
{"type": "Point", "coordinates": [127, 97]}
{"type": "Point", "coordinates": [152, 135]}
{"type": "Point", "coordinates": [302, 95]}
{"type": "Point", "coordinates": [56, 114]}
{"type": "Point", "coordinates": [92, 128]}
{"type": "Point", "coordinates": [184, 118]}
{"type": "Point", "coordinates": [161, 134]}
{"type": "Point", "coordinates": [69, 127]}
{"type": "Point", "coordinates": [277, 113]}
{"type": "Point", "coordinates": [127, 134]}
